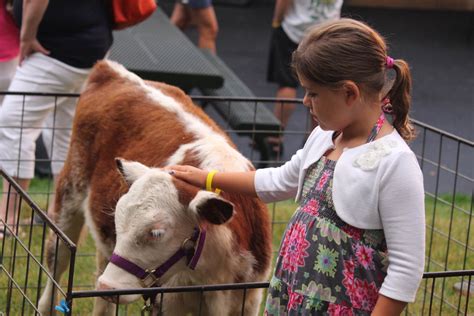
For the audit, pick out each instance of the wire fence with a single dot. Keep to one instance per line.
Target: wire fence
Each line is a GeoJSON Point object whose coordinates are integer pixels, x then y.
{"type": "Point", "coordinates": [446, 161]}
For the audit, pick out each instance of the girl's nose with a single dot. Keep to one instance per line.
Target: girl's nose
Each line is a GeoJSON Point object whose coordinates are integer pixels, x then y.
{"type": "Point", "coordinates": [306, 101]}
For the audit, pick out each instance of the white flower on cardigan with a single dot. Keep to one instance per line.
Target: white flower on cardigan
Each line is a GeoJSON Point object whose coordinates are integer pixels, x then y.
{"type": "Point", "coordinates": [370, 159]}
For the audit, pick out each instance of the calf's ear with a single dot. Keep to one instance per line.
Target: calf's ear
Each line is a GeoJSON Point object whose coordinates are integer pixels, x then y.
{"type": "Point", "coordinates": [130, 170]}
{"type": "Point", "coordinates": [211, 207]}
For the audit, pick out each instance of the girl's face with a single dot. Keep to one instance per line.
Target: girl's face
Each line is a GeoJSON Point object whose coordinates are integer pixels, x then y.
{"type": "Point", "coordinates": [328, 106]}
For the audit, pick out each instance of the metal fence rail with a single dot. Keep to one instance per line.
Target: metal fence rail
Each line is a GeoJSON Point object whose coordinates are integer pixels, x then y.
{"type": "Point", "coordinates": [23, 271]}
{"type": "Point", "coordinates": [445, 159]}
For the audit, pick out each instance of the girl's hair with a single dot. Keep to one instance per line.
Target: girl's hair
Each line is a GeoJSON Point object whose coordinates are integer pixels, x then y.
{"type": "Point", "coordinates": [345, 49]}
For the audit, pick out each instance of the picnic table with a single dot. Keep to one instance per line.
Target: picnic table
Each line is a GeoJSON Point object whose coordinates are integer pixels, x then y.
{"type": "Point", "coordinates": [157, 50]}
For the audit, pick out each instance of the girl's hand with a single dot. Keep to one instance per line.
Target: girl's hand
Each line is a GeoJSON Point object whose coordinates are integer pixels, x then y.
{"type": "Point", "coordinates": [190, 174]}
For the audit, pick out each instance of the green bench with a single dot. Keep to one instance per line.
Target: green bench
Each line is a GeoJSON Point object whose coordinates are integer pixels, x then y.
{"type": "Point", "coordinates": [250, 118]}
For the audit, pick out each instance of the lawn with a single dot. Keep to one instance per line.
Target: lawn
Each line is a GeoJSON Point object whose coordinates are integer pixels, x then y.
{"type": "Point", "coordinates": [448, 225]}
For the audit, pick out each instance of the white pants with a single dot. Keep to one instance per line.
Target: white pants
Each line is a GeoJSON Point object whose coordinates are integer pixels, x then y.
{"type": "Point", "coordinates": [7, 71]}
{"type": "Point", "coordinates": [23, 118]}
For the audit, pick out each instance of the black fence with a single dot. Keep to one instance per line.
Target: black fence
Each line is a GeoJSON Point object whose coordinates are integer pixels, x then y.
{"type": "Point", "coordinates": [446, 161]}
{"type": "Point", "coordinates": [23, 272]}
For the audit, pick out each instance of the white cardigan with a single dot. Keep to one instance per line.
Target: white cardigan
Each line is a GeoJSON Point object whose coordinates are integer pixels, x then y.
{"type": "Point", "coordinates": [378, 185]}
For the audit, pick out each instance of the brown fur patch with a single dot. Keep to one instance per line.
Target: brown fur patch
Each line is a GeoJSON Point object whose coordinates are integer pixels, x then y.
{"type": "Point", "coordinates": [115, 118]}
{"type": "Point", "coordinates": [186, 191]}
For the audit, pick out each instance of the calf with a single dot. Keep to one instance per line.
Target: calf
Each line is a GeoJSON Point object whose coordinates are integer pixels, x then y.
{"type": "Point", "coordinates": [139, 215]}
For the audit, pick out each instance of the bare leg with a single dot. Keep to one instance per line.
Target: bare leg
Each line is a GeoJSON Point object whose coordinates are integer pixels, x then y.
{"type": "Point", "coordinates": [282, 111]}
{"type": "Point", "coordinates": [207, 26]}
{"type": "Point", "coordinates": [9, 204]}
{"type": "Point", "coordinates": [70, 220]}
{"type": "Point", "coordinates": [51, 213]}
{"type": "Point", "coordinates": [181, 16]}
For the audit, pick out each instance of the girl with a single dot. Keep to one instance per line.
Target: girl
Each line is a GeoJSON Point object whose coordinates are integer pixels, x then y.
{"type": "Point", "coordinates": [355, 245]}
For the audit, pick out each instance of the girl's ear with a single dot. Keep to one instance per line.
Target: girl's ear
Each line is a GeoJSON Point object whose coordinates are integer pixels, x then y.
{"type": "Point", "coordinates": [351, 92]}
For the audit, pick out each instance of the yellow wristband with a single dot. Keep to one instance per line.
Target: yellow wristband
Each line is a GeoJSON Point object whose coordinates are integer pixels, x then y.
{"type": "Point", "coordinates": [209, 178]}
{"type": "Point", "coordinates": [276, 24]}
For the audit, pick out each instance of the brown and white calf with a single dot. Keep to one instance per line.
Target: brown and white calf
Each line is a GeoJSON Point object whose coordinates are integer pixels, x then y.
{"type": "Point", "coordinates": [141, 213]}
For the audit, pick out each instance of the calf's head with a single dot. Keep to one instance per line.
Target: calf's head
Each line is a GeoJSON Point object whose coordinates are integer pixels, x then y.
{"type": "Point", "coordinates": [153, 219]}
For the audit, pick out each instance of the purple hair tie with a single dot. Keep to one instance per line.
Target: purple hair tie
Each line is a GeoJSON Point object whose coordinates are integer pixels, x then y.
{"type": "Point", "coordinates": [389, 62]}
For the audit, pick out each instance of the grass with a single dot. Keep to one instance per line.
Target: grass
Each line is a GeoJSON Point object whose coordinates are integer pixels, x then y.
{"type": "Point", "coordinates": [448, 225]}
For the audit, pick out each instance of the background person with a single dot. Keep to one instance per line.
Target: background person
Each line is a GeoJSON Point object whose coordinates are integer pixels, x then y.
{"type": "Point", "coordinates": [9, 47]}
{"type": "Point", "coordinates": [291, 20]}
{"type": "Point", "coordinates": [59, 43]}
{"type": "Point", "coordinates": [201, 14]}
{"type": "Point", "coordinates": [355, 244]}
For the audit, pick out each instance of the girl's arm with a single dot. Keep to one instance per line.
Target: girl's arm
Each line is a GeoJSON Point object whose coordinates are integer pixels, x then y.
{"type": "Point", "coordinates": [402, 211]}
{"type": "Point", "coordinates": [236, 182]}
{"type": "Point", "coordinates": [388, 307]}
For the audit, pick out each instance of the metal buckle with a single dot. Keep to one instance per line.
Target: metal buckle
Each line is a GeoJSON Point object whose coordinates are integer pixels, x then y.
{"type": "Point", "coordinates": [188, 240]}
{"type": "Point", "coordinates": [147, 308]}
{"type": "Point", "coordinates": [151, 276]}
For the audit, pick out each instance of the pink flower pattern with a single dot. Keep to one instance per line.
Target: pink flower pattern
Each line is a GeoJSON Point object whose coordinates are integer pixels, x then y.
{"type": "Point", "coordinates": [348, 277]}
{"type": "Point", "coordinates": [352, 231]}
{"type": "Point", "coordinates": [364, 256]}
{"type": "Point", "coordinates": [365, 295]}
{"type": "Point", "coordinates": [324, 178]}
{"type": "Point", "coordinates": [339, 310]}
{"type": "Point", "coordinates": [353, 287]}
{"type": "Point", "coordinates": [312, 207]}
{"type": "Point", "coordinates": [293, 250]}
{"type": "Point", "coordinates": [294, 299]}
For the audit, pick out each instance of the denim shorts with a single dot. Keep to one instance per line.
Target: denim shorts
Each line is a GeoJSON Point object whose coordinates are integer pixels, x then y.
{"type": "Point", "coordinates": [197, 4]}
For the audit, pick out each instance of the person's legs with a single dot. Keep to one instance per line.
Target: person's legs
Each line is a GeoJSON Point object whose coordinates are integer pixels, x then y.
{"type": "Point", "coordinates": [207, 26]}
{"type": "Point", "coordinates": [283, 110]}
{"type": "Point", "coordinates": [279, 71]}
{"type": "Point", "coordinates": [22, 117]}
{"type": "Point", "coordinates": [7, 71]}
{"type": "Point", "coordinates": [9, 206]}
{"type": "Point", "coordinates": [181, 16]}
{"type": "Point", "coordinates": [20, 124]}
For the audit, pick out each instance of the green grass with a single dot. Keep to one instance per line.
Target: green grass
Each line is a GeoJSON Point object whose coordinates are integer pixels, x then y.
{"type": "Point", "coordinates": [445, 245]}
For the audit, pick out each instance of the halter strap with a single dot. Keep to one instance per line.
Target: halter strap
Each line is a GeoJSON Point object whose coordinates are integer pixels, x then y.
{"type": "Point", "coordinates": [192, 255]}
{"type": "Point", "coordinates": [376, 129]}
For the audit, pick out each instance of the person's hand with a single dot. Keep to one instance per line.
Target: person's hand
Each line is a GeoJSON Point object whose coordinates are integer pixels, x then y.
{"type": "Point", "coordinates": [28, 47]}
{"type": "Point", "coordinates": [190, 174]}
{"type": "Point", "coordinates": [276, 24]}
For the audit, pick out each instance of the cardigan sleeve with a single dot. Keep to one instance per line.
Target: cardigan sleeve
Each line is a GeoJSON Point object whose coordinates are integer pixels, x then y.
{"type": "Point", "coordinates": [402, 212]}
{"type": "Point", "coordinates": [277, 184]}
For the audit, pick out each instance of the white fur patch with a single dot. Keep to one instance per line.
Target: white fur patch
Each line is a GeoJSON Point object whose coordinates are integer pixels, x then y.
{"type": "Point", "coordinates": [211, 147]}
{"type": "Point", "coordinates": [213, 154]}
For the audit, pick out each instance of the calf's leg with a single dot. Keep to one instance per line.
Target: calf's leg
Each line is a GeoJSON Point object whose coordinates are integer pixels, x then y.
{"type": "Point", "coordinates": [70, 220]}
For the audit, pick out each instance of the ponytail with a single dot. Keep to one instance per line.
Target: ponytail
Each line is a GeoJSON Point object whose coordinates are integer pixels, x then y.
{"type": "Point", "coordinates": [399, 96]}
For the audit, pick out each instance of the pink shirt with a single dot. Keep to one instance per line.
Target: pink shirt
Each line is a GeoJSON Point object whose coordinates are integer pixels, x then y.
{"type": "Point", "coordinates": [9, 35]}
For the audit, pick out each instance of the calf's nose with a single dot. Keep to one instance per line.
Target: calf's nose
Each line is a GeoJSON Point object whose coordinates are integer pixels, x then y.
{"type": "Point", "coordinates": [101, 285]}
{"type": "Point", "coordinates": [104, 287]}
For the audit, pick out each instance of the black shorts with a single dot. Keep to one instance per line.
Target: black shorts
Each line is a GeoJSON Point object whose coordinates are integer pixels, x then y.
{"type": "Point", "coordinates": [279, 60]}
{"type": "Point", "coordinates": [197, 4]}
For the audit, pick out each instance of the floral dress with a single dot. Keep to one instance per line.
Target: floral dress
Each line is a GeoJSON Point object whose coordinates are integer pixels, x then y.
{"type": "Point", "coordinates": [326, 266]}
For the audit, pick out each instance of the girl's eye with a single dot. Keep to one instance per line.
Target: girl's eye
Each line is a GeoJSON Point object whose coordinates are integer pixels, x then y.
{"type": "Point", "coordinates": [311, 94]}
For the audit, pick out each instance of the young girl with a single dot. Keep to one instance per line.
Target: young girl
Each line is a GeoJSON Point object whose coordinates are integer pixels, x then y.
{"type": "Point", "coordinates": [355, 245]}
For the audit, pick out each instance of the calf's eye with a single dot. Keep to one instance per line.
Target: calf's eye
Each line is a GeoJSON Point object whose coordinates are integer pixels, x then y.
{"type": "Point", "coordinates": [156, 233]}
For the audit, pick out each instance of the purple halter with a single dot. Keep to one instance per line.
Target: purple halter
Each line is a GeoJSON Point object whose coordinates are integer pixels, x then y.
{"type": "Point", "coordinates": [191, 253]}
